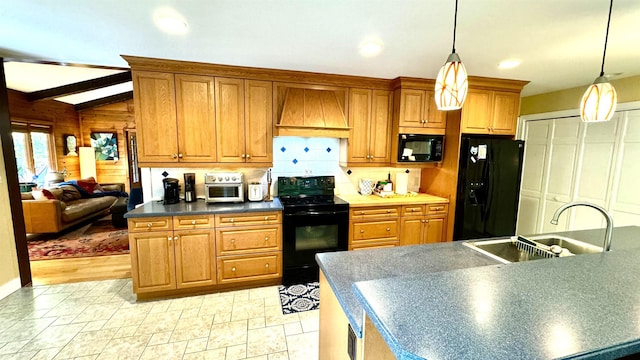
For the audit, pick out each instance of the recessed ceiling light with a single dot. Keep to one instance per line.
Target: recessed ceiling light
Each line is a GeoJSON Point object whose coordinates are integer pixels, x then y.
{"type": "Point", "coordinates": [370, 48]}
{"type": "Point", "coordinates": [508, 64]}
{"type": "Point", "coordinates": [170, 21]}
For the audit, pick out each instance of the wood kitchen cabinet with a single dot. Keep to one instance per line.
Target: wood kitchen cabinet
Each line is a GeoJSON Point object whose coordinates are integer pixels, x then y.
{"type": "Point", "coordinates": [417, 111]}
{"type": "Point", "coordinates": [490, 112]}
{"type": "Point", "coordinates": [244, 120]}
{"type": "Point", "coordinates": [423, 224]}
{"type": "Point", "coordinates": [174, 117]}
{"type": "Point", "coordinates": [374, 227]}
{"type": "Point", "coordinates": [370, 118]}
{"type": "Point", "coordinates": [249, 246]}
{"type": "Point", "coordinates": [171, 253]}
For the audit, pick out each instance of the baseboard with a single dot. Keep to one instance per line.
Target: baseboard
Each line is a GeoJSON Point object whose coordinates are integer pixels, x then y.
{"type": "Point", "coordinates": [8, 288]}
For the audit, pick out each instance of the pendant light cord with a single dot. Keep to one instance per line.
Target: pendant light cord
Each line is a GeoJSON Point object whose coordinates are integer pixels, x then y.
{"type": "Point", "coordinates": [606, 37]}
{"type": "Point", "coordinates": [455, 23]}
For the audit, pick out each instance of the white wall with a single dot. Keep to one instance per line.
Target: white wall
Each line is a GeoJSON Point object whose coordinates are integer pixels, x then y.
{"type": "Point", "coordinates": [290, 158]}
{"type": "Point", "coordinates": [568, 160]}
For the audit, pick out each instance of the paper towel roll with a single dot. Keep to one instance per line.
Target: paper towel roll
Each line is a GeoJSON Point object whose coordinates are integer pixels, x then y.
{"type": "Point", "coordinates": [402, 181]}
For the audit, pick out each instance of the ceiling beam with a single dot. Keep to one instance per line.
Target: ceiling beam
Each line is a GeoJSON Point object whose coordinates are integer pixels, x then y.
{"type": "Point", "coordinates": [104, 101]}
{"type": "Point", "coordinates": [79, 87]}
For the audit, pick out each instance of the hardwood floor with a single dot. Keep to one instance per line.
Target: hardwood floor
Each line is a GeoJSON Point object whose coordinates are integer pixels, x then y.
{"type": "Point", "coordinates": [61, 271]}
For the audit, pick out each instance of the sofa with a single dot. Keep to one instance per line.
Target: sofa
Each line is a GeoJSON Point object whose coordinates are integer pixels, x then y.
{"type": "Point", "coordinates": [56, 209]}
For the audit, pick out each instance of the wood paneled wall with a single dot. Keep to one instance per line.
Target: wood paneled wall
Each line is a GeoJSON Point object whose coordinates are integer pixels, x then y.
{"type": "Point", "coordinates": [61, 116]}
{"type": "Point", "coordinates": [118, 118]}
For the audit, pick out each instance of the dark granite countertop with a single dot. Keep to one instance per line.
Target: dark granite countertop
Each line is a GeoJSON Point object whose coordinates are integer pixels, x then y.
{"type": "Point", "coordinates": [200, 207]}
{"type": "Point", "coordinates": [343, 269]}
{"type": "Point", "coordinates": [584, 306]}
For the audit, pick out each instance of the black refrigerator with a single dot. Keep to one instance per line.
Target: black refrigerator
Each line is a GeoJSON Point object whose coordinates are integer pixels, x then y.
{"type": "Point", "coordinates": [488, 187]}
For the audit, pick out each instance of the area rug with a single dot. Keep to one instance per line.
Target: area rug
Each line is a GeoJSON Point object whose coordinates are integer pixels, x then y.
{"type": "Point", "coordinates": [96, 239]}
{"type": "Point", "coordinates": [298, 298]}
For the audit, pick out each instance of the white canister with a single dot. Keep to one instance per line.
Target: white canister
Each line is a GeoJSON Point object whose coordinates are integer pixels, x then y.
{"type": "Point", "coordinates": [255, 192]}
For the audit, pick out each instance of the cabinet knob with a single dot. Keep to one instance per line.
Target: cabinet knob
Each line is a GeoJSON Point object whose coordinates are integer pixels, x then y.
{"type": "Point", "coordinates": [361, 212]}
{"type": "Point", "coordinates": [388, 229]}
{"type": "Point", "coordinates": [242, 156]}
{"type": "Point", "coordinates": [266, 265]}
{"type": "Point", "coordinates": [426, 221]}
{"type": "Point", "coordinates": [149, 225]}
{"type": "Point", "coordinates": [233, 241]}
{"type": "Point", "coordinates": [388, 211]}
{"type": "Point", "coordinates": [233, 269]}
{"type": "Point", "coordinates": [169, 238]}
{"type": "Point", "coordinates": [193, 222]}
{"type": "Point", "coordinates": [231, 220]}
{"type": "Point", "coordinates": [422, 221]}
{"type": "Point", "coordinates": [180, 155]}
{"type": "Point", "coordinates": [175, 238]}
{"type": "Point", "coordinates": [266, 238]}
{"type": "Point", "coordinates": [248, 156]}
{"type": "Point", "coordinates": [266, 218]}
{"type": "Point", "coordinates": [414, 209]}
{"type": "Point", "coordinates": [175, 156]}
{"type": "Point", "coordinates": [361, 231]}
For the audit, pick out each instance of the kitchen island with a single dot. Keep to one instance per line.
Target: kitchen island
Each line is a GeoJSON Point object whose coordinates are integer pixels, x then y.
{"type": "Point", "coordinates": [427, 312]}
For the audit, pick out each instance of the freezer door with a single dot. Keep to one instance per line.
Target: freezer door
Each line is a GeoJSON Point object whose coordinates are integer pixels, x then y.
{"type": "Point", "coordinates": [488, 187]}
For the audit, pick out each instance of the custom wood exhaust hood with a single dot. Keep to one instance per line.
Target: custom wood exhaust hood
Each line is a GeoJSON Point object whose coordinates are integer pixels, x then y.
{"type": "Point", "coordinates": [312, 112]}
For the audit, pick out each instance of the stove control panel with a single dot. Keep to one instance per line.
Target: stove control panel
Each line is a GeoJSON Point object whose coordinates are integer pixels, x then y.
{"type": "Point", "coordinates": [311, 185]}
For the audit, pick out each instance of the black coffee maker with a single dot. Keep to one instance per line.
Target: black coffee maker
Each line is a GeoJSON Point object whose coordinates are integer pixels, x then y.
{"type": "Point", "coordinates": [189, 187]}
{"type": "Point", "coordinates": [171, 191]}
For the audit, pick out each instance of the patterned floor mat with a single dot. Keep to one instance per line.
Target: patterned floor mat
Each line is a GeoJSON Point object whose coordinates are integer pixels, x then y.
{"type": "Point", "coordinates": [298, 298]}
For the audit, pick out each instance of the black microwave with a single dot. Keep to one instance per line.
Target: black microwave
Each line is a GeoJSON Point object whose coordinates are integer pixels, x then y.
{"type": "Point", "coordinates": [420, 148]}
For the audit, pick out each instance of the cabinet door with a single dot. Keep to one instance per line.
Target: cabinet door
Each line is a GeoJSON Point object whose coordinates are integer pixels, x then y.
{"type": "Point", "coordinates": [196, 118]}
{"type": "Point", "coordinates": [156, 126]}
{"type": "Point", "coordinates": [195, 258]}
{"type": "Point", "coordinates": [505, 113]}
{"type": "Point", "coordinates": [380, 129]}
{"type": "Point", "coordinates": [435, 230]}
{"type": "Point", "coordinates": [412, 108]}
{"type": "Point", "coordinates": [476, 112]}
{"type": "Point", "coordinates": [258, 104]}
{"type": "Point", "coordinates": [152, 260]}
{"type": "Point", "coordinates": [359, 121]}
{"type": "Point", "coordinates": [435, 118]}
{"type": "Point", "coordinates": [411, 231]}
{"type": "Point", "coordinates": [230, 119]}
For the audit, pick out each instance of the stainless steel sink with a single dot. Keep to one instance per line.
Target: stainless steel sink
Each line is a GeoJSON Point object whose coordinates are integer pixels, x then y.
{"type": "Point", "coordinates": [505, 250]}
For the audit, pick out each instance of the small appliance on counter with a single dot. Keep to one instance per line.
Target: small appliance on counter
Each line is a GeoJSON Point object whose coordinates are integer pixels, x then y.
{"type": "Point", "coordinates": [189, 187]}
{"type": "Point", "coordinates": [255, 191]}
{"type": "Point", "coordinates": [366, 186]}
{"type": "Point", "coordinates": [171, 191]}
{"type": "Point", "coordinates": [224, 187]}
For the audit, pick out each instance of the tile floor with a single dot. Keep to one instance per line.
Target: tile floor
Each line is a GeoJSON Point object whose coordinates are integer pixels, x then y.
{"type": "Point", "coordinates": [102, 320]}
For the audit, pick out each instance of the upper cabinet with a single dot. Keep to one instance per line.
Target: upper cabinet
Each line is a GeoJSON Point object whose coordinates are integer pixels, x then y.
{"type": "Point", "coordinates": [370, 122]}
{"type": "Point", "coordinates": [417, 110]}
{"type": "Point", "coordinates": [196, 121]}
{"type": "Point", "coordinates": [490, 112]}
{"type": "Point", "coordinates": [244, 120]}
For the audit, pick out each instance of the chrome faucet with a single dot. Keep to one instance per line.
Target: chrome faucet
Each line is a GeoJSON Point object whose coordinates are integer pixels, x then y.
{"type": "Point", "coordinates": [605, 213]}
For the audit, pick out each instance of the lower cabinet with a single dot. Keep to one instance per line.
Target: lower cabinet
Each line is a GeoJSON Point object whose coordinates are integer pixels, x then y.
{"type": "Point", "coordinates": [388, 226]}
{"type": "Point", "coordinates": [186, 252]}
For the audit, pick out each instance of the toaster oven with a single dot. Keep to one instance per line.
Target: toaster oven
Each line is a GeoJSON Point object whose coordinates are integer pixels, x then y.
{"type": "Point", "coordinates": [221, 187]}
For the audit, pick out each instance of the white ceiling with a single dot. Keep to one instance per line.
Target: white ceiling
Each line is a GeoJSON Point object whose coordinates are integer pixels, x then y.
{"type": "Point", "coordinates": [559, 42]}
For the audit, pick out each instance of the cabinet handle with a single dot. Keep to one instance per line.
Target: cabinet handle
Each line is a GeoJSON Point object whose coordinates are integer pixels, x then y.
{"type": "Point", "coordinates": [233, 269]}
{"type": "Point", "coordinates": [266, 265]}
{"type": "Point", "coordinates": [233, 241]}
{"type": "Point", "coordinates": [149, 225]}
{"type": "Point", "coordinates": [361, 212]}
{"type": "Point", "coordinates": [388, 229]}
{"type": "Point", "coordinates": [193, 222]}
{"type": "Point", "coordinates": [175, 238]}
{"type": "Point", "coordinates": [266, 238]}
{"type": "Point", "coordinates": [414, 209]}
{"type": "Point", "coordinates": [361, 231]}
{"type": "Point", "coordinates": [231, 220]}
{"type": "Point", "coordinates": [248, 156]}
{"type": "Point", "coordinates": [180, 155]}
{"type": "Point", "coordinates": [426, 221]}
{"type": "Point", "coordinates": [242, 156]}
{"type": "Point", "coordinates": [175, 156]}
{"type": "Point", "coordinates": [266, 218]}
{"type": "Point", "coordinates": [388, 211]}
{"type": "Point", "coordinates": [169, 238]}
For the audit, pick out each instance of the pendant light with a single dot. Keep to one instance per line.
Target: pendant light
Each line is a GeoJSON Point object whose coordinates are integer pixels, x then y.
{"type": "Point", "coordinates": [451, 83]}
{"type": "Point", "coordinates": [599, 101]}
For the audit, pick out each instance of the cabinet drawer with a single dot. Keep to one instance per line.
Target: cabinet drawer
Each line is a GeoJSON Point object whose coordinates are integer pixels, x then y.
{"type": "Point", "coordinates": [374, 212]}
{"type": "Point", "coordinates": [235, 269]}
{"type": "Point", "coordinates": [413, 210]}
{"type": "Point", "coordinates": [150, 224]}
{"type": "Point", "coordinates": [192, 222]}
{"type": "Point", "coordinates": [433, 209]}
{"type": "Point", "coordinates": [254, 239]}
{"type": "Point", "coordinates": [375, 229]}
{"type": "Point", "coordinates": [254, 218]}
{"type": "Point", "coordinates": [374, 245]}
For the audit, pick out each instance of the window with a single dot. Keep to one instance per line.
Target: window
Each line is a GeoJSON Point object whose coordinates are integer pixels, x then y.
{"type": "Point", "coordinates": [33, 146]}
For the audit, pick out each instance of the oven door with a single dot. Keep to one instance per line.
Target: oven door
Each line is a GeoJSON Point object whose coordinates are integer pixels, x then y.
{"type": "Point", "coordinates": [307, 233]}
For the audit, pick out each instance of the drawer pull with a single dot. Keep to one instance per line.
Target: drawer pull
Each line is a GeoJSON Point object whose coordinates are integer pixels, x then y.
{"type": "Point", "coordinates": [361, 212]}
{"type": "Point", "coordinates": [414, 209]}
{"type": "Point", "coordinates": [266, 265]}
{"type": "Point", "coordinates": [231, 220]}
{"type": "Point", "coordinates": [169, 238]}
{"type": "Point", "coordinates": [233, 269]}
{"type": "Point", "coordinates": [266, 238]}
{"type": "Point", "coordinates": [266, 218]}
{"type": "Point", "coordinates": [149, 225]}
{"type": "Point", "coordinates": [388, 211]}
{"type": "Point", "coordinates": [193, 222]}
{"type": "Point", "coordinates": [175, 238]}
{"type": "Point", "coordinates": [233, 241]}
{"type": "Point", "coordinates": [361, 231]}
{"type": "Point", "coordinates": [388, 229]}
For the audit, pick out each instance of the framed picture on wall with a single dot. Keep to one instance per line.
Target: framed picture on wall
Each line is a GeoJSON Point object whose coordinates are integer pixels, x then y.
{"type": "Point", "coordinates": [105, 145]}
{"type": "Point", "coordinates": [70, 145]}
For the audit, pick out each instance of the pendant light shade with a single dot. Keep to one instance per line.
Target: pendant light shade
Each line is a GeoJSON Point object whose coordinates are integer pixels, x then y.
{"type": "Point", "coordinates": [599, 101]}
{"type": "Point", "coordinates": [451, 83]}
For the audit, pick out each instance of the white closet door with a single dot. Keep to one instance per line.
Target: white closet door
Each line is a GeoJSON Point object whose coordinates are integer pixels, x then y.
{"type": "Point", "coordinates": [537, 134]}
{"type": "Point", "coordinates": [561, 171]}
{"type": "Point", "coordinates": [626, 201]}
